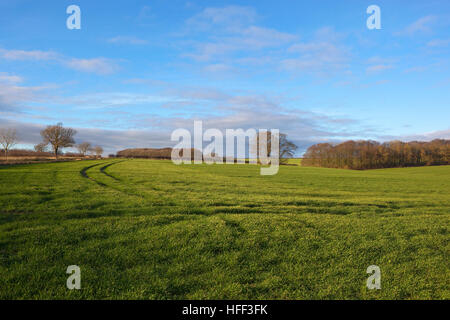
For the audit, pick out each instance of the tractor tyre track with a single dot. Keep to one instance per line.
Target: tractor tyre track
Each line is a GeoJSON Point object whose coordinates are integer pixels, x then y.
{"type": "Point", "coordinates": [102, 170]}
{"type": "Point", "coordinates": [85, 175]}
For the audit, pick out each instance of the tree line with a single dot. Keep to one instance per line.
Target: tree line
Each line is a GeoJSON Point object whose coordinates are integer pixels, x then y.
{"type": "Point", "coordinates": [373, 155]}
{"type": "Point", "coordinates": [286, 150]}
{"type": "Point", "coordinates": [56, 137]}
{"type": "Point", "coordinates": [147, 153]}
{"type": "Point", "coordinates": [362, 154]}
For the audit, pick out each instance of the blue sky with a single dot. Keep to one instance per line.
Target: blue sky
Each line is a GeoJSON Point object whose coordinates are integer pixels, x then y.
{"type": "Point", "coordinates": [137, 70]}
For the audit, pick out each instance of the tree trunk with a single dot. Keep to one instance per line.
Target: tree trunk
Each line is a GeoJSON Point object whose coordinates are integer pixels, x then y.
{"type": "Point", "coordinates": [56, 153]}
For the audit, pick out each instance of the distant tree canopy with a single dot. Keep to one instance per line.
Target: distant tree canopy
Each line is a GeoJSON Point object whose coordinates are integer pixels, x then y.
{"type": "Point", "coordinates": [373, 155]}
{"type": "Point", "coordinates": [83, 148]}
{"type": "Point", "coordinates": [40, 147]}
{"type": "Point", "coordinates": [58, 137]}
{"type": "Point", "coordinates": [286, 147]}
{"type": "Point", "coordinates": [152, 153]}
{"type": "Point", "coordinates": [8, 138]}
{"type": "Point", "coordinates": [98, 151]}
{"type": "Point", "coordinates": [34, 153]}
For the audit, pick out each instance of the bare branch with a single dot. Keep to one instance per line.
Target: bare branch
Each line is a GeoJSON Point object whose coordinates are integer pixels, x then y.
{"type": "Point", "coordinates": [8, 138]}
{"type": "Point", "coordinates": [83, 148]}
{"type": "Point", "coordinates": [59, 137]}
{"type": "Point", "coordinates": [98, 151]}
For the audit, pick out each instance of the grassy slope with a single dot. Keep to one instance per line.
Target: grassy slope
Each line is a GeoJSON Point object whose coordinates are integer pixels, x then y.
{"type": "Point", "coordinates": [148, 229]}
{"type": "Point", "coordinates": [296, 161]}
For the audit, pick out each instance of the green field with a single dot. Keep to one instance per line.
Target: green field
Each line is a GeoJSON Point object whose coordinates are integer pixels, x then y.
{"type": "Point", "coordinates": [147, 229]}
{"type": "Point", "coordinates": [294, 161]}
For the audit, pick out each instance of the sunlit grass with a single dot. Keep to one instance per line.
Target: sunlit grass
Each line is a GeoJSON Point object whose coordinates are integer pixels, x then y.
{"type": "Point", "coordinates": [147, 229]}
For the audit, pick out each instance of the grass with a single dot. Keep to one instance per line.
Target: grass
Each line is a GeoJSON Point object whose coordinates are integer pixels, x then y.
{"type": "Point", "coordinates": [147, 229]}
{"type": "Point", "coordinates": [294, 161]}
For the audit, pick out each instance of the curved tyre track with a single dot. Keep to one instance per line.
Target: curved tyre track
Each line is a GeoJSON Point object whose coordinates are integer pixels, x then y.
{"type": "Point", "coordinates": [84, 174]}
{"type": "Point", "coordinates": [102, 170]}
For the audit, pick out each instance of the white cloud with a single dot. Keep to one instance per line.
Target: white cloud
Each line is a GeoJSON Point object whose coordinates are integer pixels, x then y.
{"type": "Point", "coordinates": [438, 43]}
{"type": "Point", "coordinates": [127, 40]}
{"type": "Point", "coordinates": [428, 136]}
{"type": "Point", "coordinates": [380, 60]}
{"type": "Point", "coordinates": [217, 67]}
{"type": "Point", "coordinates": [114, 99]}
{"type": "Point", "coordinates": [234, 42]}
{"type": "Point", "coordinates": [415, 69]}
{"type": "Point", "coordinates": [13, 96]}
{"type": "Point", "coordinates": [218, 110]}
{"type": "Point", "coordinates": [100, 66]}
{"type": "Point", "coordinates": [420, 26]}
{"type": "Point", "coordinates": [230, 18]}
{"type": "Point", "coordinates": [110, 140]}
{"type": "Point", "coordinates": [27, 55]}
{"type": "Point", "coordinates": [322, 55]}
{"type": "Point", "coordinates": [245, 40]}
{"type": "Point", "coordinates": [378, 68]}
{"type": "Point", "coordinates": [259, 37]}
{"type": "Point", "coordinates": [9, 78]}
{"type": "Point", "coordinates": [231, 30]}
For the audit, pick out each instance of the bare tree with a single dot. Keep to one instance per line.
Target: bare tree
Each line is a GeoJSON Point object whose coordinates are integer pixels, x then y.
{"type": "Point", "coordinates": [8, 138]}
{"type": "Point", "coordinates": [41, 147]}
{"type": "Point", "coordinates": [286, 148]}
{"type": "Point", "coordinates": [83, 148]}
{"type": "Point", "coordinates": [98, 151]}
{"type": "Point", "coordinates": [59, 137]}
